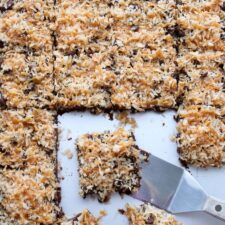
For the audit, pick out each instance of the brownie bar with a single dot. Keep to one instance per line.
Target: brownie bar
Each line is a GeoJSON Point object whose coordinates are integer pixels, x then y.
{"type": "Point", "coordinates": [27, 137]}
{"type": "Point", "coordinates": [201, 136]}
{"type": "Point", "coordinates": [29, 196]}
{"type": "Point", "coordinates": [29, 186]}
{"type": "Point", "coordinates": [201, 78]}
{"type": "Point", "coordinates": [108, 162]}
{"type": "Point", "coordinates": [80, 83]}
{"type": "Point", "coordinates": [147, 214]}
{"type": "Point", "coordinates": [84, 218]}
{"type": "Point", "coordinates": [145, 73]}
{"type": "Point", "coordinates": [202, 23]}
{"type": "Point", "coordinates": [26, 79]}
{"type": "Point", "coordinates": [26, 25]}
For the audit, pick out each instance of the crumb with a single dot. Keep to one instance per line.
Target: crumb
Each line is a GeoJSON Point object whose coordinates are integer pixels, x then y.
{"type": "Point", "coordinates": [125, 119]}
{"type": "Point", "coordinates": [68, 154]}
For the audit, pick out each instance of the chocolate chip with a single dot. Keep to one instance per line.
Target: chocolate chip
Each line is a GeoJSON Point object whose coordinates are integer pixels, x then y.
{"type": "Point", "coordinates": [176, 76]}
{"type": "Point", "coordinates": [74, 52]}
{"type": "Point", "coordinates": [2, 43]}
{"type": "Point", "coordinates": [2, 101]}
{"type": "Point", "coordinates": [14, 142]}
{"type": "Point", "coordinates": [29, 89]}
{"type": "Point", "coordinates": [223, 6]}
{"type": "Point", "coordinates": [179, 2]}
{"type": "Point", "coordinates": [135, 28]}
{"type": "Point", "coordinates": [150, 220]}
{"type": "Point", "coordinates": [176, 31]}
{"type": "Point", "coordinates": [121, 211]}
{"type": "Point", "coordinates": [10, 4]}
{"type": "Point", "coordinates": [203, 75]}
{"type": "Point", "coordinates": [7, 71]}
{"type": "Point", "coordinates": [76, 217]}
{"type": "Point", "coordinates": [1, 149]}
{"type": "Point", "coordinates": [1, 61]}
{"type": "Point", "coordinates": [196, 62]}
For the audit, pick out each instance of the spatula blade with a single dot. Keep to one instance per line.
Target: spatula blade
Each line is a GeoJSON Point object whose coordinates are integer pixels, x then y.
{"type": "Point", "coordinates": [169, 187]}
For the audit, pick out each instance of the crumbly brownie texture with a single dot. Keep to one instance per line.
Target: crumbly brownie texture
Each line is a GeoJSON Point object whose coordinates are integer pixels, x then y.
{"type": "Point", "coordinates": [201, 135]}
{"type": "Point", "coordinates": [202, 25]}
{"type": "Point", "coordinates": [147, 214]}
{"type": "Point", "coordinates": [26, 80]}
{"type": "Point", "coordinates": [29, 196]}
{"type": "Point", "coordinates": [108, 162]}
{"type": "Point", "coordinates": [27, 137]}
{"type": "Point", "coordinates": [84, 218]}
{"type": "Point", "coordinates": [26, 25]}
{"type": "Point", "coordinates": [115, 53]}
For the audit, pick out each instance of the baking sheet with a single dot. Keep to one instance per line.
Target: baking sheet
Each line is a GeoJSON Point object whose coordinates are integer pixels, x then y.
{"type": "Point", "coordinates": [153, 134]}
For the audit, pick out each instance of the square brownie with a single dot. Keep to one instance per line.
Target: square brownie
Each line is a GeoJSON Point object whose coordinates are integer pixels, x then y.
{"type": "Point", "coordinates": [80, 83]}
{"type": "Point", "coordinates": [202, 24]}
{"type": "Point", "coordinates": [201, 78]}
{"type": "Point", "coordinates": [201, 136]}
{"type": "Point", "coordinates": [27, 137]}
{"type": "Point", "coordinates": [108, 162]}
{"type": "Point", "coordinates": [26, 80]}
{"type": "Point", "coordinates": [26, 25]}
{"type": "Point", "coordinates": [29, 196]}
{"type": "Point", "coordinates": [147, 214]}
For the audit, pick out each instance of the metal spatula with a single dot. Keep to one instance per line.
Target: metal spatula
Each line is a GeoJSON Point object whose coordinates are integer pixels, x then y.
{"type": "Point", "coordinates": [174, 189]}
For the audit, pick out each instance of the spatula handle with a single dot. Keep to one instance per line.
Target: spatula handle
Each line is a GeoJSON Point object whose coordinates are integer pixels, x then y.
{"type": "Point", "coordinates": [215, 208]}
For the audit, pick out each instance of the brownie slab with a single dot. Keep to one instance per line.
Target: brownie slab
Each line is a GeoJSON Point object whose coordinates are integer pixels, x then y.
{"type": "Point", "coordinates": [26, 79]}
{"type": "Point", "coordinates": [108, 162]}
{"type": "Point", "coordinates": [147, 214]}
{"type": "Point", "coordinates": [27, 137]}
{"type": "Point", "coordinates": [201, 136]}
{"type": "Point", "coordinates": [121, 52]}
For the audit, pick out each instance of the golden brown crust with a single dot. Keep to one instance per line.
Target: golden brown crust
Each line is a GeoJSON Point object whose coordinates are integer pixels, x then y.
{"type": "Point", "coordinates": [108, 162]}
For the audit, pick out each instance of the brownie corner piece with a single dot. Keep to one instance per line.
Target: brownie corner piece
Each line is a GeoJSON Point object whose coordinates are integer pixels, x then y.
{"type": "Point", "coordinates": [147, 214]}
{"type": "Point", "coordinates": [108, 162]}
